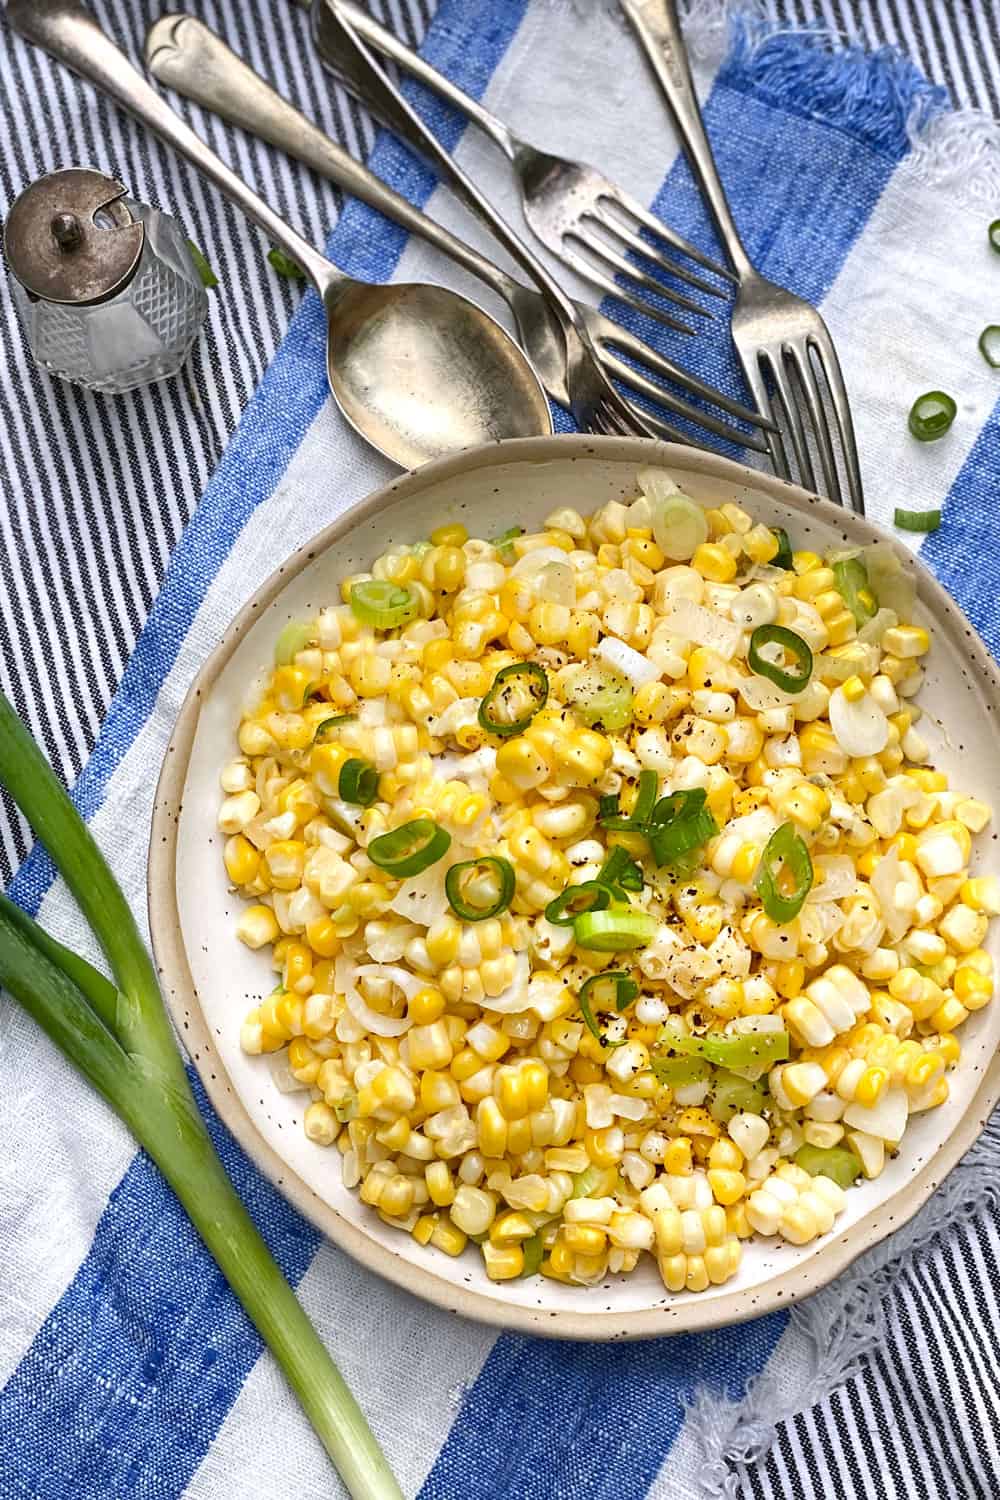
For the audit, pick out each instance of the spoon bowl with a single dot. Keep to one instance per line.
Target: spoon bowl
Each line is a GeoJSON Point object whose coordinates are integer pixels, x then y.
{"type": "Point", "coordinates": [421, 371]}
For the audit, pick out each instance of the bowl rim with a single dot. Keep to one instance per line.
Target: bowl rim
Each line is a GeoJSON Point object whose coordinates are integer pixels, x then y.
{"type": "Point", "coordinates": [686, 1313]}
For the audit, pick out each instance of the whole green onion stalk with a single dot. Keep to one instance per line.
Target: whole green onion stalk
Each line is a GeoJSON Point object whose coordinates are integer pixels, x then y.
{"type": "Point", "coordinates": [116, 1032]}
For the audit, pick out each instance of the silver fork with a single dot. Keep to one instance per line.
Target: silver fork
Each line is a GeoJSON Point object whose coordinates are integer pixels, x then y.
{"type": "Point", "coordinates": [779, 337]}
{"type": "Point", "coordinates": [595, 403]}
{"type": "Point", "coordinates": [186, 55]}
{"type": "Point", "coordinates": [575, 211]}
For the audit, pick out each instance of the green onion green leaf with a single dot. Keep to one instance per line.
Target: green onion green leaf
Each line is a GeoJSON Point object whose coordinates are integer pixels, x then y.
{"type": "Point", "coordinates": [285, 265]}
{"type": "Point", "coordinates": [917, 520]}
{"type": "Point", "coordinates": [931, 415]}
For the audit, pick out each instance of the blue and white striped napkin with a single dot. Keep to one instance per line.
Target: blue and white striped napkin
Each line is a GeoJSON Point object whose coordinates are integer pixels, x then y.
{"type": "Point", "coordinates": [126, 1368]}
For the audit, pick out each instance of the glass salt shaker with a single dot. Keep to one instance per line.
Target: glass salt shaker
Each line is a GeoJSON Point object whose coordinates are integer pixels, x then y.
{"type": "Point", "coordinates": [106, 288]}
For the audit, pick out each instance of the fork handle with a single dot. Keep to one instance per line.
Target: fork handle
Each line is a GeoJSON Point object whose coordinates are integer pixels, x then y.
{"type": "Point", "coordinates": [390, 46]}
{"type": "Point", "coordinates": [658, 28]}
{"type": "Point", "coordinates": [184, 53]}
{"type": "Point", "coordinates": [343, 51]}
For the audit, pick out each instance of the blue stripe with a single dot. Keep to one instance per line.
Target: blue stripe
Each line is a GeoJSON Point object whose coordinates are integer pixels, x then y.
{"type": "Point", "coordinates": [961, 541]}
{"type": "Point", "coordinates": [551, 1421]}
{"type": "Point", "coordinates": [132, 1373]}
{"type": "Point", "coordinates": [544, 1421]}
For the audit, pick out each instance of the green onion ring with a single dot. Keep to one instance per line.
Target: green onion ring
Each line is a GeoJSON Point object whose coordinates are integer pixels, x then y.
{"type": "Point", "coordinates": [851, 577]}
{"type": "Point", "coordinates": [917, 520]}
{"type": "Point", "coordinates": [989, 345]}
{"type": "Point", "coordinates": [783, 556]}
{"type": "Point", "coordinates": [614, 931]}
{"type": "Point", "coordinates": [410, 848]}
{"type": "Point", "coordinates": [471, 872]}
{"type": "Point", "coordinates": [784, 851]}
{"type": "Point", "coordinates": [358, 783]}
{"type": "Point", "coordinates": [779, 635]}
{"type": "Point", "coordinates": [384, 605]}
{"type": "Point", "coordinates": [564, 909]}
{"type": "Point", "coordinates": [331, 723]}
{"type": "Point", "coordinates": [931, 415]}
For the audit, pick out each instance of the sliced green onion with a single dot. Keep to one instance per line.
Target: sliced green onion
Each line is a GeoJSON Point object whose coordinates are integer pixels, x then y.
{"type": "Point", "coordinates": [917, 520]}
{"type": "Point", "coordinates": [533, 1251]}
{"type": "Point", "coordinates": [989, 345]}
{"type": "Point", "coordinates": [598, 697]}
{"type": "Point", "coordinates": [480, 888]}
{"type": "Point", "coordinates": [624, 990]}
{"type": "Point", "coordinates": [835, 1162]}
{"type": "Point", "coordinates": [677, 1072]}
{"type": "Point", "coordinates": [931, 415]}
{"type": "Point", "coordinates": [614, 931]}
{"type": "Point", "coordinates": [323, 728]}
{"type": "Point", "coordinates": [732, 1095]}
{"type": "Point", "coordinates": [680, 823]}
{"type": "Point", "coordinates": [679, 526]}
{"type": "Point", "coordinates": [575, 900]}
{"type": "Point", "coordinates": [794, 645]}
{"type": "Point", "coordinates": [587, 1183]}
{"type": "Point", "coordinates": [994, 234]}
{"type": "Point", "coordinates": [116, 1033]}
{"type": "Point", "coordinates": [738, 1049]}
{"type": "Point", "coordinates": [503, 543]}
{"type": "Point", "coordinates": [783, 556]}
{"type": "Point", "coordinates": [358, 783]}
{"type": "Point", "coordinates": [785, 861]}
{"type": "Point", "coordinates": [285, 265]}
{"type": "Point", "coordinates": [206, 275]}
{"type": "Point", "coordinates": [620, 872]}
{"type": "Point", "coordinates": [409, 849]}
{"type": "Point", "coordinates": [851, 577]}
{"type": "Point", "coordinates": [642, 807]}
{"type": "Point", "coordinates": [294, 637]}
{"type": "Point", "coordinates": [517, 694]}
{"type": "Point", "coordinates": [346, 1108]}
{"type": "Point", "coordinates": [384, 605]}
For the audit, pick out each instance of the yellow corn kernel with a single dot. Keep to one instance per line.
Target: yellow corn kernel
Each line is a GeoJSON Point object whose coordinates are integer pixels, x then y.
{"type": "Point", "coordinates": [981, 893]}
{"type": "Point", "coordinates": [906, 641]}
{"type": "Point", "coordinates": [760, 544]}
{"type": "Point", "coordinates": [241, 859]}
{"type": "Point", "coordinates": [453, 534]}
{"type": "Point", "coordinates": [727, 1186]}
{"type": "Point", "coordinates": [714, 562]}
{"type": "Point", "coordinates": [491, 1127]}
{"type": "Point", "coordinates": [972, 989]}
{"type": "Point", "coordinates": [677, 1161]}
{"type": "Point", "coordinates": [424, 1228]}
{"type": "Point", "coordinates": [585, 1239]}
{"type": "Point", "coordinates": [303, 1061]}
{"type": "Point", "coordinates": [853, 689]}
{"type": "Point", "coordinates": [427, 1005]}
{"type": "Point", "coordinates": [601, 1148]}
{"type": "Point", "coordinates": [521, 762]}
{"type": "Point", "coordinates": [511, 1229]}
{"type": "Point", "coordinates": [449, 1238]}
{"type": "Point", "coordinates": [949, 1014]}
{"type": "Point", "coordinates": [257, 927]}
{"type": "Point", "coordinates": [297, 965]}
{"type": "Point", "coordinates": [440, 1185]}
{"type": "Point", "coordinates": [320, 1124]}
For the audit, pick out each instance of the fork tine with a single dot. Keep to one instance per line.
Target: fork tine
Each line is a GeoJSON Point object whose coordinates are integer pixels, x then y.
{"type": "Point", "coordinates": [607, 253]}
{"type": "Point", "coordinates": [642, 247]}
{"type": "Point", "coordinates": [630, 343]}
{"type": "Point", "coordinates": [775, 444]}
{"type": "Point", "coordinates": [657, 393]}
{"type": "Point", "coordinates": [793, 417]}
{"type": "Point", "coordinates": [623, 294]}
{"type": "Point", "coordinates": [656, 226]}
{"type": "Point", "coordinates": [799, 357]}
{"type": "Point", "coordinates": [822, 346]}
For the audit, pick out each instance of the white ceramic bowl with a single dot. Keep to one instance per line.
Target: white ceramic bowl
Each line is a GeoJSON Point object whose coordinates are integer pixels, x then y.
{"type": "Point", "coordinates": [211, 980]}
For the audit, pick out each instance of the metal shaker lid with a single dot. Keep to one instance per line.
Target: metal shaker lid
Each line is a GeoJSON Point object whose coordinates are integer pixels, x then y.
{"type": "Point", "coordinates": [70, 237]}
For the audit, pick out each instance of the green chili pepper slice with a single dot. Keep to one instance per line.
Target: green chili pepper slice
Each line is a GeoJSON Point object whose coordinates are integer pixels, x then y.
{"type": "Point", "coordinates": [206, 275]}
{"type": "Point", "coordinates": [517, 694]}
{"type": "Point", "coordinates": [534, 1252]}
{"type": "Point", "coordinates": [931, 415]}
{"type": "Point", "coordinates": [625, 991]}
{"type": "Point", "coordinates": [794, 645]}
{"type": "Point", "coordinates": [738, 1049]}
{"type": "Point", "coordinates": [480, 888]}
{"type": "Point", "coordinates": [989, 345]}
{"type": "Point", "coordinates": [331, 723]}
{"type": "Point", "coordinates": [680, 823]}
{"type": "Point", "coordinates": [409, 849]}
{"type": "Point", "coordinates": [575, 901]}
{"type": "Point", "coordinates": [851, 578]}
{"type": "Point", "coordinates": [358, 783]}
{"type": "Point", "coordinates": [384, 605]}
{"type": "Point", "coordinates": [731, 1095]}
{"type": "Point", "coordinates": [994, 235]}
{"type": "Point", "coordinates": [783, 556]}
{"type": "Point", "coordinates": [785, 860]}
{"type": "Point", "coordinates": [835, 1162]}
{"type": "Point", "coordinates": [614, 931]}
{"type": "Point", "coordinates": [677, 1072]}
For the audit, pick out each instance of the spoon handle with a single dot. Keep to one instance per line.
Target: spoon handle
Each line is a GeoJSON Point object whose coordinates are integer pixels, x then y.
{"type": "Point", "coordinates": [67, 31]}
{"type": "Point", "coordinates": [185, 54]}
{"type": "Point", "coordinates": [344, 53]}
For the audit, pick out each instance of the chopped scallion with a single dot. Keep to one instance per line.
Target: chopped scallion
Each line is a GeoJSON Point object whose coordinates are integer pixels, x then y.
{"type": "Point", "coordinates": [917, 520]}
{"type": "Point", "coordinates": [931, 415]}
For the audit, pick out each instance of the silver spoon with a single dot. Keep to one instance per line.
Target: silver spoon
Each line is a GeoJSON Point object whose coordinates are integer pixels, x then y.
{"type": "Point", "coordinates": [417, 370]}
{"type": "Point", "coordinates": [186, 55]}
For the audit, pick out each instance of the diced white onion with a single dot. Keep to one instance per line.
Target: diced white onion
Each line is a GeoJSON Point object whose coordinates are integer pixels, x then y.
{"type": "Point", "coordinates": [534, 561]}
{"type": "Point", "coordinates": [891, 583]}
{"type": "Point", "coordinates": [834, 877]}
{"type": "Point", "coordinates": [884, 880]}
{"type": "Point", "coordinates": [693, 622]}
{"type": "Point", "coordinates": [859, 725]}
{"type": "Point", "coordinates": [372, 1020]}
{"type": "Point", "coordinates": [514, 999]}
{"type": "Point", "coordinates": [556, 583]}
{"type": "Point", "coordinates": [282, 1076]}
{"type": "Point", "coordinates": [874, 629]}
{"type": "Point", "coordinates": [626, 660]}
{"type": "Point", "coordinates": [760, 694]}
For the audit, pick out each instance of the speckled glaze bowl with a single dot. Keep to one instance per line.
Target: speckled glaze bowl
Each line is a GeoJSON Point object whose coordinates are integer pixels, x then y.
{"type": "Point", "coordinates": [208, 975]}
